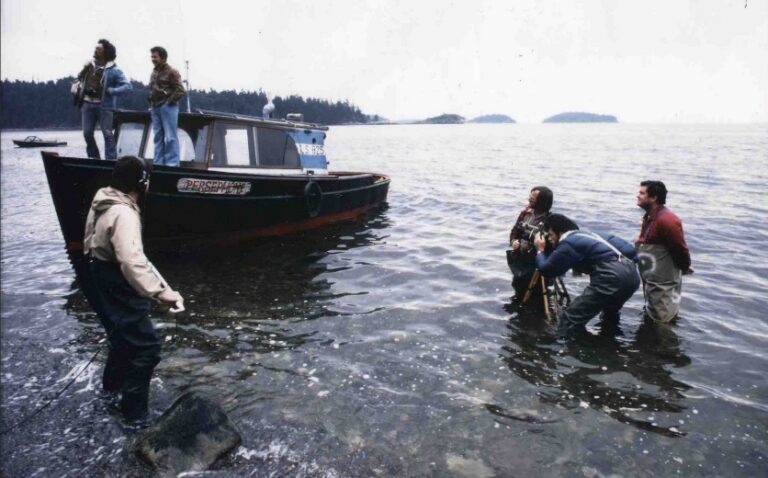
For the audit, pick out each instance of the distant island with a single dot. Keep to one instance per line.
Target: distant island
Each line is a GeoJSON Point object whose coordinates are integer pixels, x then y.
{"type": "Point", "coordinates": [492, 119]}
{"type": "Point", "coordinates": [444, 119]}
{"type": "Point", "coordinates": [578, 117]}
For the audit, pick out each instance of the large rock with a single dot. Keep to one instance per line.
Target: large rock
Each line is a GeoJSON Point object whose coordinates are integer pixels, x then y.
{"type": "Point", "coordinates": [189, 436]}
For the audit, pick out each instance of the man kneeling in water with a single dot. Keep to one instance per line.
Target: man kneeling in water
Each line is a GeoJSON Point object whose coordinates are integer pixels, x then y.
{"type": "Point", "coordinates": [608, 260]}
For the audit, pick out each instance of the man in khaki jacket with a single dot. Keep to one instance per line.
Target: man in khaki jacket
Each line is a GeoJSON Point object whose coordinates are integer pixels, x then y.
{"type": "Point", "coordinates": [125, 282]}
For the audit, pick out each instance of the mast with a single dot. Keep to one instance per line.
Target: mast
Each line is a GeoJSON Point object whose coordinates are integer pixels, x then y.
{"type": "Point", "coordinates": [186, 84]}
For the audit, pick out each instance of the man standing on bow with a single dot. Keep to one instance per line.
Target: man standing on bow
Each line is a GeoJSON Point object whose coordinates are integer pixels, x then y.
{"type": "Point", "coordinates": [165, 91]}
{"type": "Point", "coordinates": [99, 83]}
{"type": "Point", "coordinates": [662, 253]}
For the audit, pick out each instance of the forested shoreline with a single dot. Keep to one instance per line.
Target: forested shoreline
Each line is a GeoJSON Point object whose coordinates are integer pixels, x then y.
{"type": "Point", "coordinates": [30, 104]}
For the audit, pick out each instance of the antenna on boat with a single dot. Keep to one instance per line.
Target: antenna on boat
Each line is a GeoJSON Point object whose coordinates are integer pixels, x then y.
{"type": "Point", "coordinates": [186, 84]}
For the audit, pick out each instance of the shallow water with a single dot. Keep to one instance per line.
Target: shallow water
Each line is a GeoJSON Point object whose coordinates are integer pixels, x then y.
{"type": "Point", "coordinates": [390, 347]}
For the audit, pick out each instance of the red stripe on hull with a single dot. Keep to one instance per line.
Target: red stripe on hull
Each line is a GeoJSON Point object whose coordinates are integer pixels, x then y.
{"type": "Point", "coordinates": [235, 237]}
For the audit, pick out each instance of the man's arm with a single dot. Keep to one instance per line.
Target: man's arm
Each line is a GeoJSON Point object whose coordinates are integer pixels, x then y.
{"type": "Point", "coordinates": [136, 268]}
{"type": "Point", "coordinates": [177, 86]}
{"type": "Point", "coordinates": [672, 234]}
{"type": "Point", "coordinates": [123, 85]}
{"type": "Point", "coordinates": [558, 262]}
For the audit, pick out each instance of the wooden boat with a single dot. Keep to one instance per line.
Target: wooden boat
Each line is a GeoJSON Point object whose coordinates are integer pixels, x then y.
{"type": "Point", "coordinates": [240, 177]}
{"type": "Point", "coordinates": [35, 142]}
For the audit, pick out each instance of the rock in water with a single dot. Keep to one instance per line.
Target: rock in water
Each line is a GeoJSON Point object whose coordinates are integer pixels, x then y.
{"type": "Point", "coordinates": [189, 436]}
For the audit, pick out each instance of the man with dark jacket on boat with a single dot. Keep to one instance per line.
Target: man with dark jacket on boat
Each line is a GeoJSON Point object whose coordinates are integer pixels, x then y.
{"type": "Point", "coordinates": [100, 82]}
{"type": "Point", "coordinates": [663, 254]}
{"type": "Point", "coordinates": [124, 283]}
{"type": "Point", "coordinates": [165, 91]}
{"type": "Point", "coordinates": [521, 257]}
{"type": "Point", "coordinates": [608, 260]}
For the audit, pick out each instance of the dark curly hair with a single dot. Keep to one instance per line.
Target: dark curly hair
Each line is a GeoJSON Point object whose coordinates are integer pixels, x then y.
{"type": "Point", "coordinates": [559, 224]}
{"type": "Point", "coordinates": [544, 200]}
{"type": "Point", "coordinates": [130, 174]}
{"type": "Point", "coordinates": [656, 189]}
{"type": "Point", "coordinates": [110, 52]}
{"type": "Point", "coordinates": [162, 52]}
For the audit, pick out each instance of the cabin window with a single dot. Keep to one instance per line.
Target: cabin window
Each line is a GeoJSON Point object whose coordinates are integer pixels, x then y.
{"type": "Point", "coordinates": [276, 149]}
{"type": "Point", "coordinates": [129, 139]}
{"type": "Point", "coordinates": [232, 145]}
{"type": "Point", "coordinates": [241, 145]}
{"type": "Point", "coordinates": [187, 151]}
{"type": "Point", "coordinates": [201, 142]}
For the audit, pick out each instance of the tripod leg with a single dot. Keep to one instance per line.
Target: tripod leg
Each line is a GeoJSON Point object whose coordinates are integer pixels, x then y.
{"type": "Point", "coordinates": [565, 291]}
{"type": "Point", "coordinates": [544, 296]}
{"type": "Point", "coordinates": [531, 285]}
{"type": "Point", "coordinates": [555, 297]}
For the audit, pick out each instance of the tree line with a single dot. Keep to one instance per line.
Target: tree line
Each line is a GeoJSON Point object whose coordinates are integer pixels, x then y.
{"type": "Point", "coordinates": [48, 104]}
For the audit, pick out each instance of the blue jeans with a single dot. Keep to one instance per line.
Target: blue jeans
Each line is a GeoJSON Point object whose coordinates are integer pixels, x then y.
{"type": "Point", "coordinates": [91, 114]}
{"type": "Point", "coordinates": [165, 121]}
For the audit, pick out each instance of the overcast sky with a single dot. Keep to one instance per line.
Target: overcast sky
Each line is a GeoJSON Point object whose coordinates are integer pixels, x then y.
{"type": "Point", "coordinates": [643, 61]}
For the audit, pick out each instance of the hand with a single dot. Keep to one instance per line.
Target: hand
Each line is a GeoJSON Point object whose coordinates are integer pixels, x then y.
{"type": "Point", "coordinates": [539, 242]}
{"type": "Point", "coordinates": [515, 245]}
{"type": "Point", "coordinates": [688, 272]}
{"type": "Point", "coordinates": [170, 296]}
{"type": "Point", "coordinates": [108, 91]}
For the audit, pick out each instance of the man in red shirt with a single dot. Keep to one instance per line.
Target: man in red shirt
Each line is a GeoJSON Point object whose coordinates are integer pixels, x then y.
{"type": "Point", "coordinates": [663, 256]}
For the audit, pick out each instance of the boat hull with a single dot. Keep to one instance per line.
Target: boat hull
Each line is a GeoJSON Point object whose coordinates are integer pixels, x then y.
{"type": "Point", "coordinates": [38, 144]}
{"type": "Point", "coordinates": [186, 205]}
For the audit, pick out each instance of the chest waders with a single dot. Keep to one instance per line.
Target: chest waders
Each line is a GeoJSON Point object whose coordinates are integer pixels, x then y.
{"type": "Point", "coordinates": [611, 283]}
{"type": "Point", "coordinates": [134, 346]}
{"type": "Point", "coordinates": [662, 282]}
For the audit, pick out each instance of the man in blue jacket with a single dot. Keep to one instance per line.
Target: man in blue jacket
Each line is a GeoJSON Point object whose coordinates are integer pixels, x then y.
{"type": "Point", "coordinates": [609, 261]}
{"type": "Point", "coordinates": [101, 82]}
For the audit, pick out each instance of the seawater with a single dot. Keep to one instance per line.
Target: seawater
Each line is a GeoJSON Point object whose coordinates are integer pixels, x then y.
{"type": "Point", "coordinates": [390, 346]}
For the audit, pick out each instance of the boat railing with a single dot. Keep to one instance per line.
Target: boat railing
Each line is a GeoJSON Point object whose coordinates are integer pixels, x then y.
{"type": "Point", "coordinates": [281, 122]}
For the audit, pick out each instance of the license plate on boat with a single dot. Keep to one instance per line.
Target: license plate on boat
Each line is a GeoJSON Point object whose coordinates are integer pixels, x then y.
{"type": "Point", "coordinates": [311, 149]}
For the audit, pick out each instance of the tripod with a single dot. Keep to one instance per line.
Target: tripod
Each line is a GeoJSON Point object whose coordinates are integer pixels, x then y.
{"type": "Point", "coordinates": [551, 292]}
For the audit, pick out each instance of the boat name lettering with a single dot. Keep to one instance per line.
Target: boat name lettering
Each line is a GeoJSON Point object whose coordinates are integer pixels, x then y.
{"type": "Point", "coordinates": [306, 149]}
{"type": "Point", "coordinates": [213, 186]}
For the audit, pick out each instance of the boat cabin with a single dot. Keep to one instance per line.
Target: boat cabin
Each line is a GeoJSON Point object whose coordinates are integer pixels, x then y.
{"type": "Point", "coordinates": [231, 143]}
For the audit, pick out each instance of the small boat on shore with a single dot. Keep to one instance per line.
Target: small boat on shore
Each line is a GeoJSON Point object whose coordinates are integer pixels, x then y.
{"type": "Point", "coordinates": [240, 177]}
{"type": "Point", "coordinates": [35, 142]}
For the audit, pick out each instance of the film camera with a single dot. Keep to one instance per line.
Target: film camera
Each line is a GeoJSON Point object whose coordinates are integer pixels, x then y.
{"type": "Point", "coordinates": [528, 232]}
{"type": "Point", "coordinates": [520, 261]}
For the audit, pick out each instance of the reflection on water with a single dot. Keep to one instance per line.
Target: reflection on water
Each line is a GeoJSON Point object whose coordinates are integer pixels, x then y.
{"type": "Point", "coordinates": [625, 379]}
{"type": "Point", "coordinates": [241, 298]}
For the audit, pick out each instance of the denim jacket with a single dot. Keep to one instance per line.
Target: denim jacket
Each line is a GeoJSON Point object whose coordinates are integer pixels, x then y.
{"type": "Point", "coordinates": [113, 82]}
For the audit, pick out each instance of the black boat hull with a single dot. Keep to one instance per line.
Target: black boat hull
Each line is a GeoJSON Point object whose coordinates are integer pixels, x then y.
{"type": "Point", "coordinates": [38, 144]}
{"type": "Point", "coordinates": [187, 205]}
